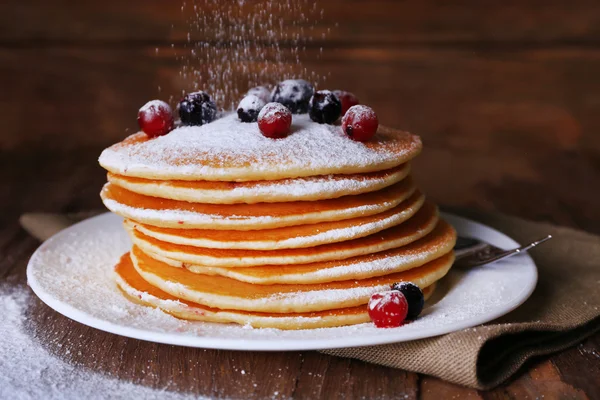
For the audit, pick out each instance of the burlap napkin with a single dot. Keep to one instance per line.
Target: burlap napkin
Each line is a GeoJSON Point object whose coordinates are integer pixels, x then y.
{"type": "Point", "coordinates": [563, 310]}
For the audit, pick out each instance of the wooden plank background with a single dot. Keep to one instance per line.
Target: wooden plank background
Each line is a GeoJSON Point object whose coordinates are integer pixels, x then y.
{"type": "Point", "coordinates": [505, 95]}
{"type": "Point", "coordinates": [491, 80]}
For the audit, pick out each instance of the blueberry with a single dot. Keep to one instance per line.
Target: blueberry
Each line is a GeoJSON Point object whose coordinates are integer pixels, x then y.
{"type": "Point", "coordinates": [324, 107]}
{"type": "Point", "coordinates": [249, 108]}
{"type": "Point", "coordinates": [197, 109]}
{"type": "Point", "coordinates": [414, 296]}
{"type": "Point", "coordinates": [262, 92]}
{"type": "Point", "coordinates": [294, 94]}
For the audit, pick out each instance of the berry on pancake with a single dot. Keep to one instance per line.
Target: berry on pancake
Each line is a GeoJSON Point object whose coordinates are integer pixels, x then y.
{"type": "Point", "coordinates": [155, 118]}
{"type": "Point", "coordinates": [197, 109]}
{"type": "Point", "coordinates": [294, 94]}
{"type": "Point", "coordinates": [324, 107]}
{"type": "Point", "coordinates": [348, 99]}
{"type": "Point", "coordinates": [274, 120]}
{"type": "Point", "coordinates": [249, 108]}
{"type": "Point", "coordinates": [360, 123]}
{"type": "Point", "coordinates": [262, 92]}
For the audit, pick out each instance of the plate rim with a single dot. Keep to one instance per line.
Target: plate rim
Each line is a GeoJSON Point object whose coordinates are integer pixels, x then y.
{"type": "Point", "coordinates": [267, 344]}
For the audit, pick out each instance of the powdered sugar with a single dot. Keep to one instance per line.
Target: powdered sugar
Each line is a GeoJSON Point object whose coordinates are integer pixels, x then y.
{"type": "Point", "coordinates": [325, 97]}
{"type": "Point", "coordinates": [361, 111]}
{"type": "Point", "coordinates": [29, 371]}
{"type": "Point", "coordinates": [383, 298]}
{"type": "Point", "coordinates": [154, 107]}
{"type": "Point", "coordinates": [271, 110]}
{"type": "Point", "coordinates": [234, 45]}
{"type": "Point", "coordinates": [303, 187]}
{"type": "Point", "coordinates": [75, 270]}
{"type": "Point", "coordinates": [228, 149]}
{"type": "Point", "coordinates": [261, 92]}
{"type": "Point", "coordinates": [321, 236]}
{"type": "Point", "coordinates": [376, 265]}
{"type": "Point", "coordinates": [178, 218]}
{"type": "Point", "coordinates": [251, 102]}
{"type": "Point", "coordinates": [336, 298]}
{"type": "Point", "coordinates": [292, 93]}
{"type": "Point", "coordinates": [299, 189]}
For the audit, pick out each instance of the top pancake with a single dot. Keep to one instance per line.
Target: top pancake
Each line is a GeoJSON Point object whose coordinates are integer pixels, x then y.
{"type": "Point", "coordinates": [230, 150]}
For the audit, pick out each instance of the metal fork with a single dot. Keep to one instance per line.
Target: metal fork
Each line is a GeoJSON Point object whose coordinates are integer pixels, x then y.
{"type": "Point", "coordinates": [472, 253]}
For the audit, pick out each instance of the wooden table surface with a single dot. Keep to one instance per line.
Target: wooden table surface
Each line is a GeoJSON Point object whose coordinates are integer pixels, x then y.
{"type": "Point", "coordinates": [505, 95]}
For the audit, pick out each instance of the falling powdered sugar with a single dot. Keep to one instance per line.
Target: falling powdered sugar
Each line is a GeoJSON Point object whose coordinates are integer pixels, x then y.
{"type": "Point", "coordinates": [234, 45]}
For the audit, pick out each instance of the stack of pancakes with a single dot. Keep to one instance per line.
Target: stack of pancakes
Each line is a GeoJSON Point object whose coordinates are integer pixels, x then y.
{"type": "Point", "coordinates": [294, 233]}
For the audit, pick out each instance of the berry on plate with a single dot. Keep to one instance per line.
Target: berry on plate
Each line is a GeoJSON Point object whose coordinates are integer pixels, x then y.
{"type": "Point", "coordinates": [388, 309]}
{"type": "Point", "coordinates": [360, 123]}
{"type": "Point", "coordinates": [414, 297]}
{"type": "Point", "coordinates": [348, 99]}
{"type": "Point", "coordinates": [324, 107]}
{"type": "Point", "coordinates": [197, 109]}
{"type": "Point", "coordinates": [262, 92]}
{"type": "Point", "coordinates": [294, 94]}
{"type": "Point", "coordinates": [249, 108]}
{"type": "Point", "coordinates": [274, 120]}
{"type": "Point", "coordinates": [155, 118]}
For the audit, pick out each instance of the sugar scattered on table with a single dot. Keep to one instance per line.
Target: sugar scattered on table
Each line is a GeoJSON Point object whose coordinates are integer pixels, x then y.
{"type": "Point", "coordinates": [29, 371]}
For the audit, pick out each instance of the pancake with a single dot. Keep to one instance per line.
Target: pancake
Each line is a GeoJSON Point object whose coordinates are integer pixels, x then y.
{"type": "Point", "coordinates": [229, 226]}
{"type": "Point", "coordinates": [299, 189]}
{"type": "Point", "coordinates": [226, 293]}
{"type": "Point", "coordinates": [230, 150]}
{"type": "Point", "coordinates": [413, 229]}
{"type": "Point", "coordinates": [138, 290]}
{"type": "Point", "coordinates": [181, 214]}
{"type": "Point", "coordinates": [292, 237]}
{"type": "Point", "coordinates": [432, 246]}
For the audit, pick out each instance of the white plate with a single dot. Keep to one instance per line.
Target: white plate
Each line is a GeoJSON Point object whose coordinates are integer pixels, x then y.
{"type": "Point", "coordinates": [72, 273]}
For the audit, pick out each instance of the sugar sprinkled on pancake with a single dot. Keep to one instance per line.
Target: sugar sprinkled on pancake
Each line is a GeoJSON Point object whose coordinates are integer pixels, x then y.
{"type": "Point", "coordinates": [229, 150]}
{"type": "Point", "coordinates": [227, 293]}
{"type": "Point", "coordinates": [297, 189]}
{"type": "Point", "coordinates": [173, 213]}
{"type": "Point", "coordinates": [292, 233]}
{"type": "Point", "coordinates": [413, 229]}
{"type": "Point", "coordinates": [138, 290]}
{"type": "Point", "coordinates": [291, 237]}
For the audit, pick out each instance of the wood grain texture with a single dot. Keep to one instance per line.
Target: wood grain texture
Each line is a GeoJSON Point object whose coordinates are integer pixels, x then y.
{"type": "Point", "coordinates": [219, 373]}
{"type": "Point", "coordinates": [41, 23]}
{"type": "Point", "coordinates": [504, 94]}
{"type": "Point", "coordinates": [499, 102]}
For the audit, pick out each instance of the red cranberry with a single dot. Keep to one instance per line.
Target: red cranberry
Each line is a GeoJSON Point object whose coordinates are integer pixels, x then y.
{"type": "Point", "coordinates": [348, 99]}
{"type": "Point", "coordinates": [360, 123]}
{"type": "Point", "coordinates": [388, 309]}
{"type": "Point", "coordinates": [156, 118]}
{"type": "Point", "coordinates": [274, 120]}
